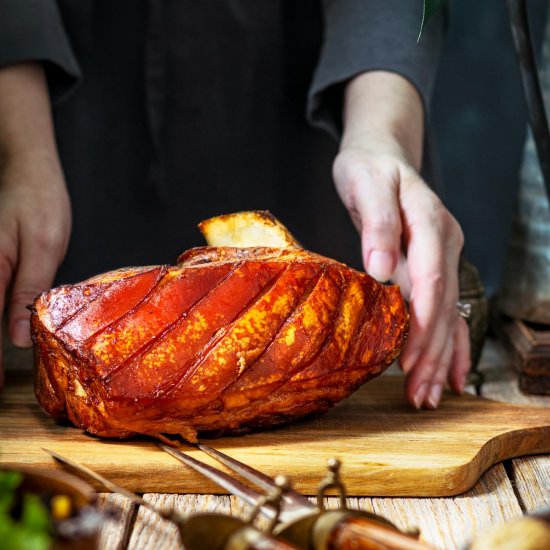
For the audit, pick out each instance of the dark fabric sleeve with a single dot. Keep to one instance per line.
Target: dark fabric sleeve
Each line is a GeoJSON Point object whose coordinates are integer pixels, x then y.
{"type": "Point", "coordinates": [32, 30]}
{"type": "Point", "coordinates": [366, 35]}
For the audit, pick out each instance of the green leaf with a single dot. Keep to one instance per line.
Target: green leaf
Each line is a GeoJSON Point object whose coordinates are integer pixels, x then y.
{"type": "Point", "coordinates": [9, 481]}
{"type": "Point", "coordinates": [32, 531]}
{"type": "Point", "coordinates": [35, 515]}
{"type": "Point", "coordinates": [430, 7]}
{"type": "Point", "coordinates": [14, 537]}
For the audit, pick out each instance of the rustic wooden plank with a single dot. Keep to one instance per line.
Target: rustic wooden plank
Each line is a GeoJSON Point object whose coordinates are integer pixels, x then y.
{"type": "Point", "coordinates": [446, 523]}
{"type": "Point", "coordinates": [449, 523]}
{"type": "Point", "coordinates": [530, 475]}
{"type": "Point", "coordinates": [150, 531]}
{"type": "Point", "coordinates": [115, 531]}
{"type": "Point", "coordinates": [501, 381]}
{"type": "Point", "coordinates": [529, 350]}
{"type": "Point", "coordinates": [532, 481]}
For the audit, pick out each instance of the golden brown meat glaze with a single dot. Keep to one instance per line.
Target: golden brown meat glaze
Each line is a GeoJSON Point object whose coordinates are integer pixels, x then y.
{"type": "Point", "coordinates": [227, 341]}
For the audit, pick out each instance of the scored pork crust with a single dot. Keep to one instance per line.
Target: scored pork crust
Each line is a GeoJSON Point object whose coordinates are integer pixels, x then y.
{"type": "Point", "coordinates": [226, 341]}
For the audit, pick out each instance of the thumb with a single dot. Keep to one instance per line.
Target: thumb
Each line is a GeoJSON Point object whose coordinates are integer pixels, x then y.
{"type": "Point", "coordinates": [35, 274]}
{"type": "Point", "coordinates": [378, 206]}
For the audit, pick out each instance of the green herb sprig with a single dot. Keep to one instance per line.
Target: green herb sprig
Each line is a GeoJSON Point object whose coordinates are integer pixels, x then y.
{"type": "Point", "coordinates": [430, 7]}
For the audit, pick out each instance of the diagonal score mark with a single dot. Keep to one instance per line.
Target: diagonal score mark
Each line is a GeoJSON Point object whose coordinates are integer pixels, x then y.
{"type": "Point", "coordinates": [271, 355]}
{"type": "Point", "coordinates": [65, 334]}
{"type": "Point", "coordinates": [158, 337]}
{"type": "Point", "coordinates": [327, 341]}
{"type": "Point", "coordinates": [192, 365]}
{"type": "Point", "coordinates": [288, 320]}
{"type": "Point", "coordinates": [88, 283]}
{"type": "Point", "coordinates": [293, 304]}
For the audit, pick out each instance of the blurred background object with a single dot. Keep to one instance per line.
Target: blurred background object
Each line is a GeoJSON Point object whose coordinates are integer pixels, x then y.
{"type": "Point", "coordinates": [525, 288]}
{"type": "Point", "coordinates": [479, 121]}
{"type": "Point", "coordinates": [521, 315]}
{"type": "Point", "coordinates": [527, 533]}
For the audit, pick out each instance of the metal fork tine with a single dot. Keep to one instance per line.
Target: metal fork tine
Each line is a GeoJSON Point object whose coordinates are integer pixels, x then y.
{"type": "Point", "coordinates": [254, 476]}
{"type": "Point", "coordinates": [235, 487]}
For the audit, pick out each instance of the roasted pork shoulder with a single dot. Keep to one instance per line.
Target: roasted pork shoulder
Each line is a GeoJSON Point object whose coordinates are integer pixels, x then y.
{"type": "Point", "coordinates": [227, 341]}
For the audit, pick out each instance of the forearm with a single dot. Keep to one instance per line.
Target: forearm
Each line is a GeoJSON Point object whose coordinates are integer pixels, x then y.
{"type": "Point", "coordinates": [26, 125]}
{"type": "Point", "coordinates": [35, 213]}
{"type": "Point", "coordinates": [383, 110]}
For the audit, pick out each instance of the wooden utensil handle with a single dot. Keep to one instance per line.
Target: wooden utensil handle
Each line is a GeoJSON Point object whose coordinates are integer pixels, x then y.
{"type": "Point", "coordinates": [364, 534]}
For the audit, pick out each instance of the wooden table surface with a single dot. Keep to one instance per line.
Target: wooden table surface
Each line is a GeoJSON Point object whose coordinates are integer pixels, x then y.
{"type": "Point", "coordinates": [504, 492]}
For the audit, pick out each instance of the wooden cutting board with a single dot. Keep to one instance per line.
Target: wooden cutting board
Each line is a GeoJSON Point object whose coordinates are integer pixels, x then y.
{"type": "Point", "coordinates": [386, 447]}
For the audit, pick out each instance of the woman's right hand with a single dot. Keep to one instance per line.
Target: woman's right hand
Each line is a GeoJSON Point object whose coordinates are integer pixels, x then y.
{"type": "Point", "coordinates": [407, 234]}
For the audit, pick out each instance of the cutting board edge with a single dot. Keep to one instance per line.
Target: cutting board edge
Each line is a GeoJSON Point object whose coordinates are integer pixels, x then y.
{"type": "Point", "coordinates": [463, 478]}
{"type": "Point", "coordinates": [451, 480]}
{"type": "Point", "coordinates": [493, 452]}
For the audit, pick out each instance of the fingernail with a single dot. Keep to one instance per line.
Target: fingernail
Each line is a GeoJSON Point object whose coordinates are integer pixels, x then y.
{"type": "Point", "coordinates": [380, 265]}
{"type": "Point", "coordinates": [434, 396]}
{"type": "Point", "coordinates": [410, 359]}
{"type": "Point", "coordinates": [420, 394]}
{"type": "Point", "coordinates": [21, 333]}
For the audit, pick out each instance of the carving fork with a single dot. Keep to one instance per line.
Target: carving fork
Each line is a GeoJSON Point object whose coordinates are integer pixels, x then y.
{"type": "Point", "coordinates": [294, 518]}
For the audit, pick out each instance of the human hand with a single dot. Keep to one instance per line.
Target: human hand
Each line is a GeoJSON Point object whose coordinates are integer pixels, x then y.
{"type": "Point", "coordinates": [408, 236]}
{"type": "Point", "coordinates": [35, 214]}
{"type": "Point", "coordinates": [35, 222]}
